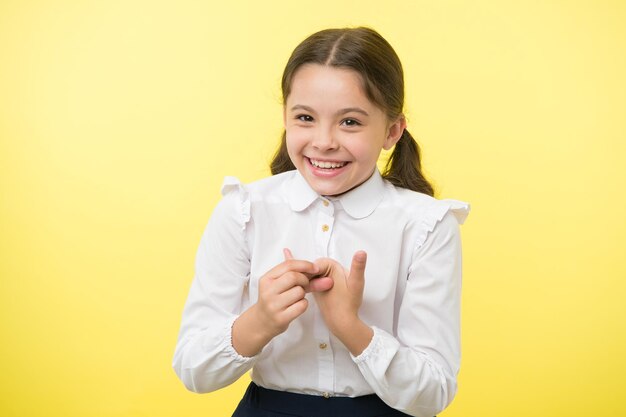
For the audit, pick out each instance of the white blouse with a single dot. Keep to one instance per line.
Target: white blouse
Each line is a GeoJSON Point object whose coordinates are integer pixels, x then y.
{"type": "Point", "coordinates": [411, 297]}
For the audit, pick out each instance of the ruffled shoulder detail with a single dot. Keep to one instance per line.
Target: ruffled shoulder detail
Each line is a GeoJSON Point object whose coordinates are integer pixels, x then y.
{"type": "Point", "coordinates": [232, 186]}
{"type": "Point", "coordinates": [435, 212]}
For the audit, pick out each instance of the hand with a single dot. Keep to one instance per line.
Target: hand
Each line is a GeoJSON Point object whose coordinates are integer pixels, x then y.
{"type": "Point", "coordinates": [281, 293]}
{"type": "Point", "coordinates": [317, 283]}
{"type": "Point", "coordinates": [281, 300]}
{"type": "Point", "coordinates": [339, 300]}
{"type": "Point", "coordinates": [340, 305]}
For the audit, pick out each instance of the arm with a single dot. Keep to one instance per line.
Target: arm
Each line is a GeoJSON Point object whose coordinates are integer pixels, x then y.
{"type": "Point", "coordinates": [416, 372]}
{"type": "Point", "coordinates": [217, 342]}
{"type": "Point", "coordinates": [204, 359]}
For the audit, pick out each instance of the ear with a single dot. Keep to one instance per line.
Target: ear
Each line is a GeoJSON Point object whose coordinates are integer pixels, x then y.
{"type": "Point", "coordinates": [394, 132]}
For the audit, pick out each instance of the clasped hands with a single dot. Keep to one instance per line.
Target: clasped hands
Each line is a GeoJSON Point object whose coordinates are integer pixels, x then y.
{"type": "Point", "coordinates": [337, 291]}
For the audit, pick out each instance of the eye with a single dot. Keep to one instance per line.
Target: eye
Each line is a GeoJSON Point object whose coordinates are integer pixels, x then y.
{"type": "Point", "coordinates": [351, 122]}
{"type": "Point", "coordinates": [304, 118]}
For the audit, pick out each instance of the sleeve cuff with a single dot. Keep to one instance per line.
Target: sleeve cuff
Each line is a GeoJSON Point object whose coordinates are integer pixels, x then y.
{"type": "Point", "coordinates": [226, 345]}
{"type": "Point", "coordinates": [376, 346]}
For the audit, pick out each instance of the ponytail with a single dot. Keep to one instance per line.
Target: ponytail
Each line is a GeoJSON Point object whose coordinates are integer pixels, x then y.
{"type": "Point", "coordinates": [281, 161]}
{"type": "Point", "coordinates": [403, 168]}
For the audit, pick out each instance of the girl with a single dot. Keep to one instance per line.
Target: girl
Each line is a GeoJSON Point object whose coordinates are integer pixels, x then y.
{"type": "Point", "coordinates": [271, 294]}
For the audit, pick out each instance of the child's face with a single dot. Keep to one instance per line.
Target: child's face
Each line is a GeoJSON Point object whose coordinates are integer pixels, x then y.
{"type": "Point", "coordinates": [334, 133]}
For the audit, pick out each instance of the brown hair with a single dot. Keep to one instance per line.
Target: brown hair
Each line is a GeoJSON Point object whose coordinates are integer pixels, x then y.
{"type": "Point", "coordinates": [362, 50]}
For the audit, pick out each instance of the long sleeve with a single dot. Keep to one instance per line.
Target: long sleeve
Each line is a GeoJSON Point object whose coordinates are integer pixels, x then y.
{"type": "Point", "coordinates": [204, 358]}
{"type": "Point", "coordinates": [411, 297]}
{"type": "Point", "coordinates": [416, 371]}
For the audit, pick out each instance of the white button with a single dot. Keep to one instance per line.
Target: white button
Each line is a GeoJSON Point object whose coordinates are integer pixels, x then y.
{"type": "Point", "coordinates": [325, 395]}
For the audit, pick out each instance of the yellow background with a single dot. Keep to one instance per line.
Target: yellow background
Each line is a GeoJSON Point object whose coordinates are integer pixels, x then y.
{"type": "Point", "coordinates": [119, 119]}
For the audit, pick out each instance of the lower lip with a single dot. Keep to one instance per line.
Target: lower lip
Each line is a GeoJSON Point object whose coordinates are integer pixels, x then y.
{"type": "Point", "coordinates": [325, 173]}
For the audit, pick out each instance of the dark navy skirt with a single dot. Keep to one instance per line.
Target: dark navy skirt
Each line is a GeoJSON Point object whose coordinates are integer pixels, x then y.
{"type": "Point", "coordinates": [263, 402]}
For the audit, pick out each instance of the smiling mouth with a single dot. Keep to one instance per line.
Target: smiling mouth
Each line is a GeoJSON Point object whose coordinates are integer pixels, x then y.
{"type": "Point", "coordinates": [327, 164]}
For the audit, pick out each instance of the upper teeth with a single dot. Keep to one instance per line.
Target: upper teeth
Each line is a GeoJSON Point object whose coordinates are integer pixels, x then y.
{"type": "Point", "coordinates": [326, 164]}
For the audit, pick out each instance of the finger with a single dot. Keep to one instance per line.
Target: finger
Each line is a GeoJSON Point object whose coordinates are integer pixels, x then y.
{"type": "Point", "coordinates": [356, 278]}
{"type": "Point", "coordinates": [288, 255]}
{"type": "Point", "coordinates": [320, 284]}
{"type": "Point", "coordinates": [291, 296]}
{"type": "Point", "coordinates": [289, 280]}
{"type": "Point", "coordinates": [316, 284]}
{"type": "Point", "coordinates": [294, 265]}
{"type": "Point", "coordinates": [325, 266]}
{"type": "Point", "coordinates": [296, 309]}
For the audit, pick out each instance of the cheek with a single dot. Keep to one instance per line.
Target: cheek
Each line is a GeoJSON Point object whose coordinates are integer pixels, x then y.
{"type": "Point", "coordinates": [296, 140]}
{"type": "Point", "coordinates": [365, 150]}
{"type": "Point", "coordinates": [294, 147]}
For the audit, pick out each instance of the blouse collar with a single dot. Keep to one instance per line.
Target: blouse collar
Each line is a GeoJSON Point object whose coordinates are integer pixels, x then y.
{"type": "Point", "coordinates": [359, 202]}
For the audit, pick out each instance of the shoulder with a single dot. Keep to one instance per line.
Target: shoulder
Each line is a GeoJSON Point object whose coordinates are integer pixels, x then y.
{"type": "Point", "coordinates": [425, 214]}
{"type": "Point", "coordinates": [418, 203]}
{"type": "Point", "coordinates": [258, 189]}
{"type": "Point", "coordinates": [238, 197]}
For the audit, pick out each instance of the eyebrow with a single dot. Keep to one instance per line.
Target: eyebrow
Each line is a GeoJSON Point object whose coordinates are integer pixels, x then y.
{"type": "Point", "coordinates": [342, 111]}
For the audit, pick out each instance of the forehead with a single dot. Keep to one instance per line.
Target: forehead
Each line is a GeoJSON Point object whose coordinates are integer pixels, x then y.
{"type": "Point", "coordinates": [328, 86]}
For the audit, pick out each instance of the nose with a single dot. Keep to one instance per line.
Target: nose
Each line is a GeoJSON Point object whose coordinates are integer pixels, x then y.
{"type": "Point", "coordinates": [324, 140]}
